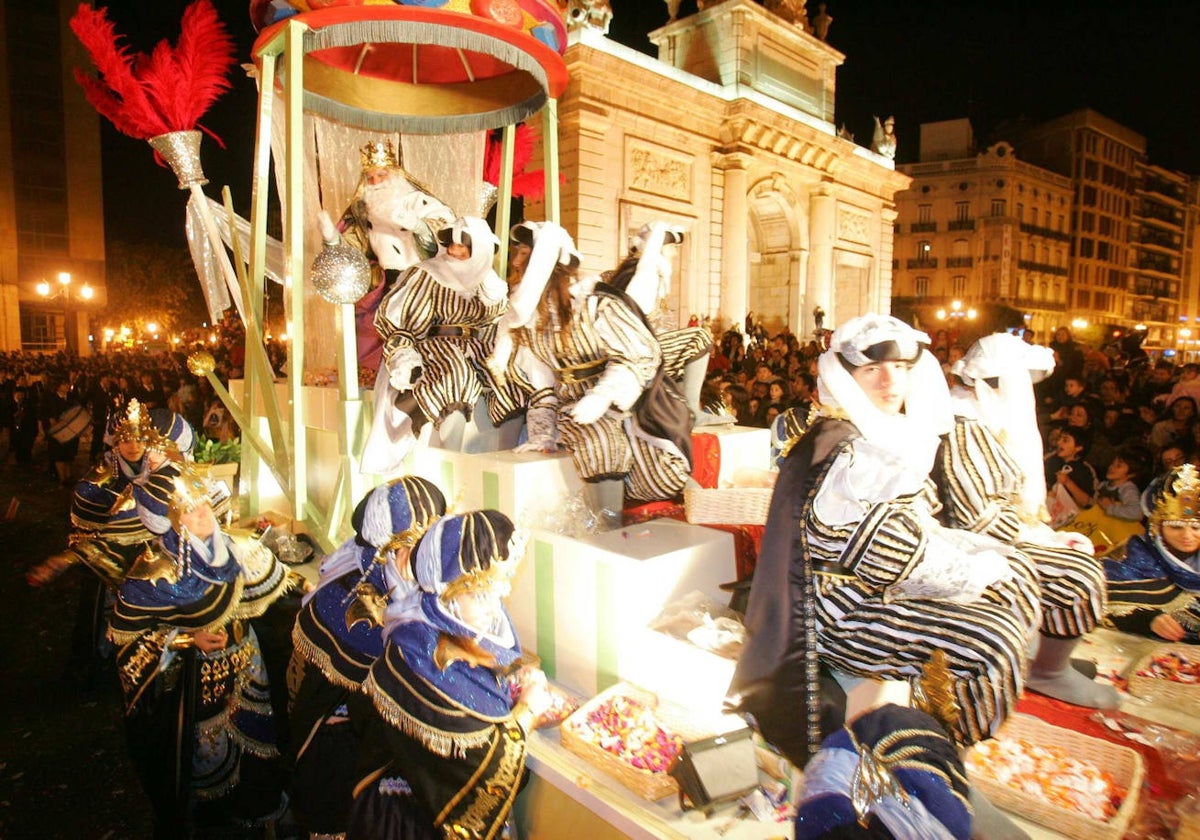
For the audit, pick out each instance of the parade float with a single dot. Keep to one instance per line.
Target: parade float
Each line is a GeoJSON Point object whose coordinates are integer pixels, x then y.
{"type": "Point", "coordinates": [623, 616]}
{"type": "Point", "coordinates": [430, 80]}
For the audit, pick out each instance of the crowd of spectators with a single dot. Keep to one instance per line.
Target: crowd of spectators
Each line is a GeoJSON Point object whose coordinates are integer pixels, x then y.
{"type": "Point", "coordinates": [37, 389]}
{"type": "Point", "coordinates": [1100, 407]}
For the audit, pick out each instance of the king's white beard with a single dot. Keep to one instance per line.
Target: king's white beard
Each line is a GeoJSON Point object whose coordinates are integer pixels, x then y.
{"type": "Point", "coordinates": [390, 206]}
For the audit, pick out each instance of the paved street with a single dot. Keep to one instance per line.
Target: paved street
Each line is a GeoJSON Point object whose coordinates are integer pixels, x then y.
{"type": "Point", "coordinates": [63, 767]}
{"type": "Point", "coordinates": [64, 772]}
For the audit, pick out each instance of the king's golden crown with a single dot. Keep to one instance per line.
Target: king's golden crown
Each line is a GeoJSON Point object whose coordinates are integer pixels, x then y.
{"type": "Point", "coordinates": [1178, 499]}
{"type": "Point", "coordinates": [378, 154]}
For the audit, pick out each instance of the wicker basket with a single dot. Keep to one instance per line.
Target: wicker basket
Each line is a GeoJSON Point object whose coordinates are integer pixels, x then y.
{"type": "Point", "coordinates": [1123, 763]}
{"type": "Point", "coordinates": [1183, 696]}
{"type": "Point", "coordinates": [727, 506]}
{"type": "Point", "coordinates": [645, 783]}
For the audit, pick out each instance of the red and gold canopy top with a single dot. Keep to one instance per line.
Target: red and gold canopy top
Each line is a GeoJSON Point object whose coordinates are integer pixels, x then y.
{"type": "Point", "coordinates": [422, 66]}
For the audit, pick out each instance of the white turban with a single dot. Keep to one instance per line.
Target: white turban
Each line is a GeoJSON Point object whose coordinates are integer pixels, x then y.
{"type": "Point", "coordinates": [913, 437]}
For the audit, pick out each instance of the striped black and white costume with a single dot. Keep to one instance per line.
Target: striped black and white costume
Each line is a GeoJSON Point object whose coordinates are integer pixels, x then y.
{"type": "Point", "coordinates": [978, 484]}
{"type": "Point", "coordinates": [857, 570]}
{"type": "Point", "coordinates": [888, 579]}
{"type": "Point", "coordinates": [453, 334]}
{"type": "Point", "coordinates": [605, 339]}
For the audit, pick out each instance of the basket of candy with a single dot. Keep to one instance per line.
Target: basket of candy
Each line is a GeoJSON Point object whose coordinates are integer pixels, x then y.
{"type": "Point", "coordinates": [1083, 787]}
{"type": "Point", "coordinates": [628, 734]}
{"type": "Point", "coordinates": [1170, 673]}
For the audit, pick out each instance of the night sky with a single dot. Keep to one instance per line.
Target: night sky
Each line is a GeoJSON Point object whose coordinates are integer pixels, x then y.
{"type": "Point", "coordinates": [934, 60]}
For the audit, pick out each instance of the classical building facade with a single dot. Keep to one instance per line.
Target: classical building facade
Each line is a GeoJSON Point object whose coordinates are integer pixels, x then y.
{"type": "Point", "coordinates": [979, 231]}
{"type": "Point", "coordinates": [1131, 231]}
{"type": "Point", "coordinates": [51, 201]}
{"type": "Point", "coordinates": [730, 135]}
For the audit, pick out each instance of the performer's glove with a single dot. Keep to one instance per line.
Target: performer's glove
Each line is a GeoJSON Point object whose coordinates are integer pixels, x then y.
{"type": "Point", "coordinates": [329, 231]}
{"type": "Point", "coordinates": [590, 408]}
{"type": "Point", "coordinates": [400, 366]}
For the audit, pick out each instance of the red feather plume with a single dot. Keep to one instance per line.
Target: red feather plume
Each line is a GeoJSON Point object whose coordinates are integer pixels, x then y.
{"type": "Point", "coordinates": [524, 184]}
{"type": "Point", "coordinates": [167, 90]}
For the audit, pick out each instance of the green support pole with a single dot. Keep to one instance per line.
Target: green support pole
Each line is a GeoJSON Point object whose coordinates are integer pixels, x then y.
{"type": "Point", "coordinates": [294, 244]}
{"type": "Point", "coordinates": [550, 159]}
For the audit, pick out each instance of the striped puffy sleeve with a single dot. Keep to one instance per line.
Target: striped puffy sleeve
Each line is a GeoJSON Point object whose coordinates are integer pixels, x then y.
{"type": "Point", "coordinates": [888, 538]}
{"type": "Point", "coordinates": [981, 482]}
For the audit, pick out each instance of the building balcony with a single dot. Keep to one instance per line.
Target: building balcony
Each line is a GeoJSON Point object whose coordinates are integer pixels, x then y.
{"type": "Point", "coordinates": [1171, 192]}
{"type": "Point", "coordinates": [1160, 263]}
{"type": "Point", "coordinates": [923, 262]}
{"type": "Point", "coordinates": [1158, 239]}
{"type": "Point", "coordinates": [1049, 233]}
{"type": "Point", "coordinates": [961, 224]}
{"type": "Point", "coordinates": [1151, 287]}
{"type": "Point", "coordinates": [959, 262]}
{"type": "Point", "coordinates": [924, 227]}
{"type": "Point", "coordinates": [1036, 303]}
{"type": "Point", "coordinates": [1142, 310]}
{"type": "Point", "coordinates": [1150, 211]}
{"type": "Point", "coordinates": [1044, 268]}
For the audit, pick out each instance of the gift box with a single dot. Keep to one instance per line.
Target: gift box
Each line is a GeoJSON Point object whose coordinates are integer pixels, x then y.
{"type": "Point", "coordinates": [575, 602]}
{"type": "Point", "coordinates": [525, 486]}
{"type": "Point", "coordinates": [740, 447]}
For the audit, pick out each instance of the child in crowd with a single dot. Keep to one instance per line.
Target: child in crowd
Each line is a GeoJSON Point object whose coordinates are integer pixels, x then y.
{"type": "Point", "coordinates": [1120, 495]}
{"type": "Point", "coordinates": [1117, 514]}
{"type": "Point", "coordinates": [1067, 470]}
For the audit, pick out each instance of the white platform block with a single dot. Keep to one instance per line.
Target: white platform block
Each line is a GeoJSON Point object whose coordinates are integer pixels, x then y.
{"type": "Point", "coordinates": [576, 603]}
{"type": "Point", "coordinates": [448, 470]}
{"type": "Point", "coordinates": [676, 670]}
{"type": "Point", "coordinates": [529, 487]}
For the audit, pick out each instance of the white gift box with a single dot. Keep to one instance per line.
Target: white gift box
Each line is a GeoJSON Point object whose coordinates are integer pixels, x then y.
{"type": "Point", "coordinates": [742, 447]}
{"type": "Point", "coordinates": [676, 670]}
{"type": "Point", "coordinates": [579, 604]}
{"type": "Point", "coordinates": [528, 487]}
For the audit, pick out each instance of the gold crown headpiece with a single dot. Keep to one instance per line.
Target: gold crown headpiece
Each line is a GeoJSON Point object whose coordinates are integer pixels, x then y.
{"type": "Point", "coordinates": [1177, 499]}
{"type": "Point", "coordinates": [192, 488]}
{"type": "Point", "coordinates": [378, 154]}
{"type": "Point", "coordinates": [407, 538]}
{"type": "Point", "coordinates": [134, 426]}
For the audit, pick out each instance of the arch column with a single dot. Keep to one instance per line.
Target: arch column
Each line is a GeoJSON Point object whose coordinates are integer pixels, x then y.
{"type": "Point", "coordinates": [822, 233]}
{"type": "Point", "coordinates": [735, 237]}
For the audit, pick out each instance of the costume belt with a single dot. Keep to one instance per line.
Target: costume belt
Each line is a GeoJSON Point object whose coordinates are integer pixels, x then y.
{"type": "Point", "coordinates": [581, 372]}
{"type": "Point", "coordinates": [827, 567]}
{"type": "Point", "coordinates": [452, 331]}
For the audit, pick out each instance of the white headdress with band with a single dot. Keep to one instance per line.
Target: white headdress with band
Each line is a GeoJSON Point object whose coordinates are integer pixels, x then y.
{"type": "Point", "coordinates": [1002, 369]}
{"type": "Point", "coordinates": [912, 437]}
{"type": "Point", "coordinates": [473, 276]}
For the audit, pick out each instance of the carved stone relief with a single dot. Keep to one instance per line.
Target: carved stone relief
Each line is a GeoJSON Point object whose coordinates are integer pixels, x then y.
{"type": "Point", "coordinates": [655, 170]}
{"type": "Point", "coordinates": [853, 226]}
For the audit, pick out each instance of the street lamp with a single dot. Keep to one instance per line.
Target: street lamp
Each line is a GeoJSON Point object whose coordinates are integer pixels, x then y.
{"type": "Point", "coordinates": [957, 311]}
{"type": "Point", "coordinates": [86, 293]}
